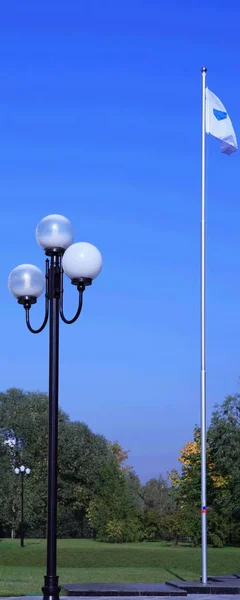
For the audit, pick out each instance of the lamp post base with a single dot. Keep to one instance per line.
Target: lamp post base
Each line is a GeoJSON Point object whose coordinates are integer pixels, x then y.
{"type": "Point", "coordinates": [51, 589]}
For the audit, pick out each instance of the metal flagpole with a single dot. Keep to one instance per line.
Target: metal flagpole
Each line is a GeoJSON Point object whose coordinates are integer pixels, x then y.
{"type": "Point", "coordinates": [203, 342]}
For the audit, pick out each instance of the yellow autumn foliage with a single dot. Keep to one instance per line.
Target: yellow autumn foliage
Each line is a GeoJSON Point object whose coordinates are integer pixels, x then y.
{"type": "Point", "coordinates": [190, 449]}
{"type": "Point", "coordinates": [190, 456]}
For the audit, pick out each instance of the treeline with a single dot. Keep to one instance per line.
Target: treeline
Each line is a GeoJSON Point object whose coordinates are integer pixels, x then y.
{"type": "Point", "coordinates": [99, 496]}
{"type": "Point", "coordinates": [223, 480]}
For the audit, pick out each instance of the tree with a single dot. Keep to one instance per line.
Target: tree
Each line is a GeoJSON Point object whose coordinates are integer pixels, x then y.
{"type": "Point", "coordinates": [82, 455]}
{"type": "Point", "coordinates": [8, 493]}
{"type": "Point", "coordinates": [121, 455]}
{"type": "Point", "coordinates": [174, 525]}
{"type": "Point", "coordinates": [95, 489]}
{"type": "Point", "coordinates": [157, 495]}
{"type": "Point", "coordinates": [187, 485]}
{"type": "Point", "coordinates": [187, 491]}
{"type": "Point", "coordinates": [114, 513]}
{"type": "Point", "coordinates": [24, 420]}
{"type": "Point", "coordinates": [224, 442]}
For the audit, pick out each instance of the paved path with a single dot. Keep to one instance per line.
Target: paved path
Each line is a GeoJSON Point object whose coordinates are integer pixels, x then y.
{"type": "Point", "coordinates": [189, 597]}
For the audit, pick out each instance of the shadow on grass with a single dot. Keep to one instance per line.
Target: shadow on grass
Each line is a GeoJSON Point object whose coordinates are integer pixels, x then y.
{"type": "Point", "coordinates": [30, 543]}
{"type": "Point", "coordinates": [175, 575]}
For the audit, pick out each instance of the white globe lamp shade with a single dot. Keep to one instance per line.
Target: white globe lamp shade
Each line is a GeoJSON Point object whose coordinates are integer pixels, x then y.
{"type": "Point", "coordinates": [82, 261]}
{"type": "Point", "coordinates": [17, 471]}
{"type": "Point", "coordinates": [26, 280]}
{"type": "Point", "coordinates": [28, 471]}
{"type": "Point", "coordinates": [22, 469]}
{"type": "Point", "coordinates": [54, 231]}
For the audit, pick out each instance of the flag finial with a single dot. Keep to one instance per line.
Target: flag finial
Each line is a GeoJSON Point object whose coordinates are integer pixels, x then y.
{"type": "Point", "coordinates": [204, 69]}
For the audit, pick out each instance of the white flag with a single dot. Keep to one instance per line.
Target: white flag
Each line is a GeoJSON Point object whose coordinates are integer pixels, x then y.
{"type": "Point", "coordinates": [219, 124]}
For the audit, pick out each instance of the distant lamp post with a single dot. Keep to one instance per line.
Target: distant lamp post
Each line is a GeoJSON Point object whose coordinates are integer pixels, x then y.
{"type": "Point", "coordinates": [22, 471]}
{"type": "Point", "coordinates": [82, 262]}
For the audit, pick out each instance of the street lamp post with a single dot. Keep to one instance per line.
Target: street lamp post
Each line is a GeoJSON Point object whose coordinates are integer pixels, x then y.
{"type": "Point", "coordinates": [82, 262]}
{"type": "Point", "coordinates": [22, 471]}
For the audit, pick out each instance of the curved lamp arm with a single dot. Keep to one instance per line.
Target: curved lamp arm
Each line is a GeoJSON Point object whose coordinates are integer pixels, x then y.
{"type": "Point", "coordinates": [80, 302]}
{"type": "Point", "coordinates": [27, 307]}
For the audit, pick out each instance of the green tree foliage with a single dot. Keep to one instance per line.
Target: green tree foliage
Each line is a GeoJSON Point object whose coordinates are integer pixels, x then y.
{"type": "Point", "coordinates": [158, 496]}
{"type": "Point", "coordinates": [115, 512]}
{"type": "Point", "coordinates": [223, 476]}
{"type": "Point", "coordinates": [24, 422]}
{"type": "Point", "coordinates": [82, 455]}
{"type": "Point", "coordinates": [91, 474]}
{"type": "Point", "coordinates": [8, 492]}
{"type": "Point", "coordinates": [99, 495]}
{"type": "Point", "coordinates": [224, 442]}
{"type": "Point", "coordinates": [158, 502]}
{"type": "Point", "coordinates": [174, 525]}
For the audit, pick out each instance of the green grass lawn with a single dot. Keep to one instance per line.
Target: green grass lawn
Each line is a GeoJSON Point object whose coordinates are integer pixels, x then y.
{"type": "Point", "coordinates": [83, 561]}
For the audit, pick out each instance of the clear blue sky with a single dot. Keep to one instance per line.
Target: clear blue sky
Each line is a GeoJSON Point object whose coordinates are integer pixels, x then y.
{"type": "Point", "coordinates": [100, 121]}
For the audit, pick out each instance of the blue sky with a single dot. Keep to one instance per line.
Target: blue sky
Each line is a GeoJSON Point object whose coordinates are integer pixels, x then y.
{"type": "Point", "coordinates": [100, 121]}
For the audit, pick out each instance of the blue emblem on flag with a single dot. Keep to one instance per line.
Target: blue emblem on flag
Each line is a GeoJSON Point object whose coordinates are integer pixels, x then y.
{"type": "Point", "coordinates": [219, 114]}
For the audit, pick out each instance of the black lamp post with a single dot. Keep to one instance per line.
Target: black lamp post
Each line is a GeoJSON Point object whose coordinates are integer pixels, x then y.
{"type": "Point", "coordinates": [22, 471]}
{"type": "Point", "coordinates": [82, 262]}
